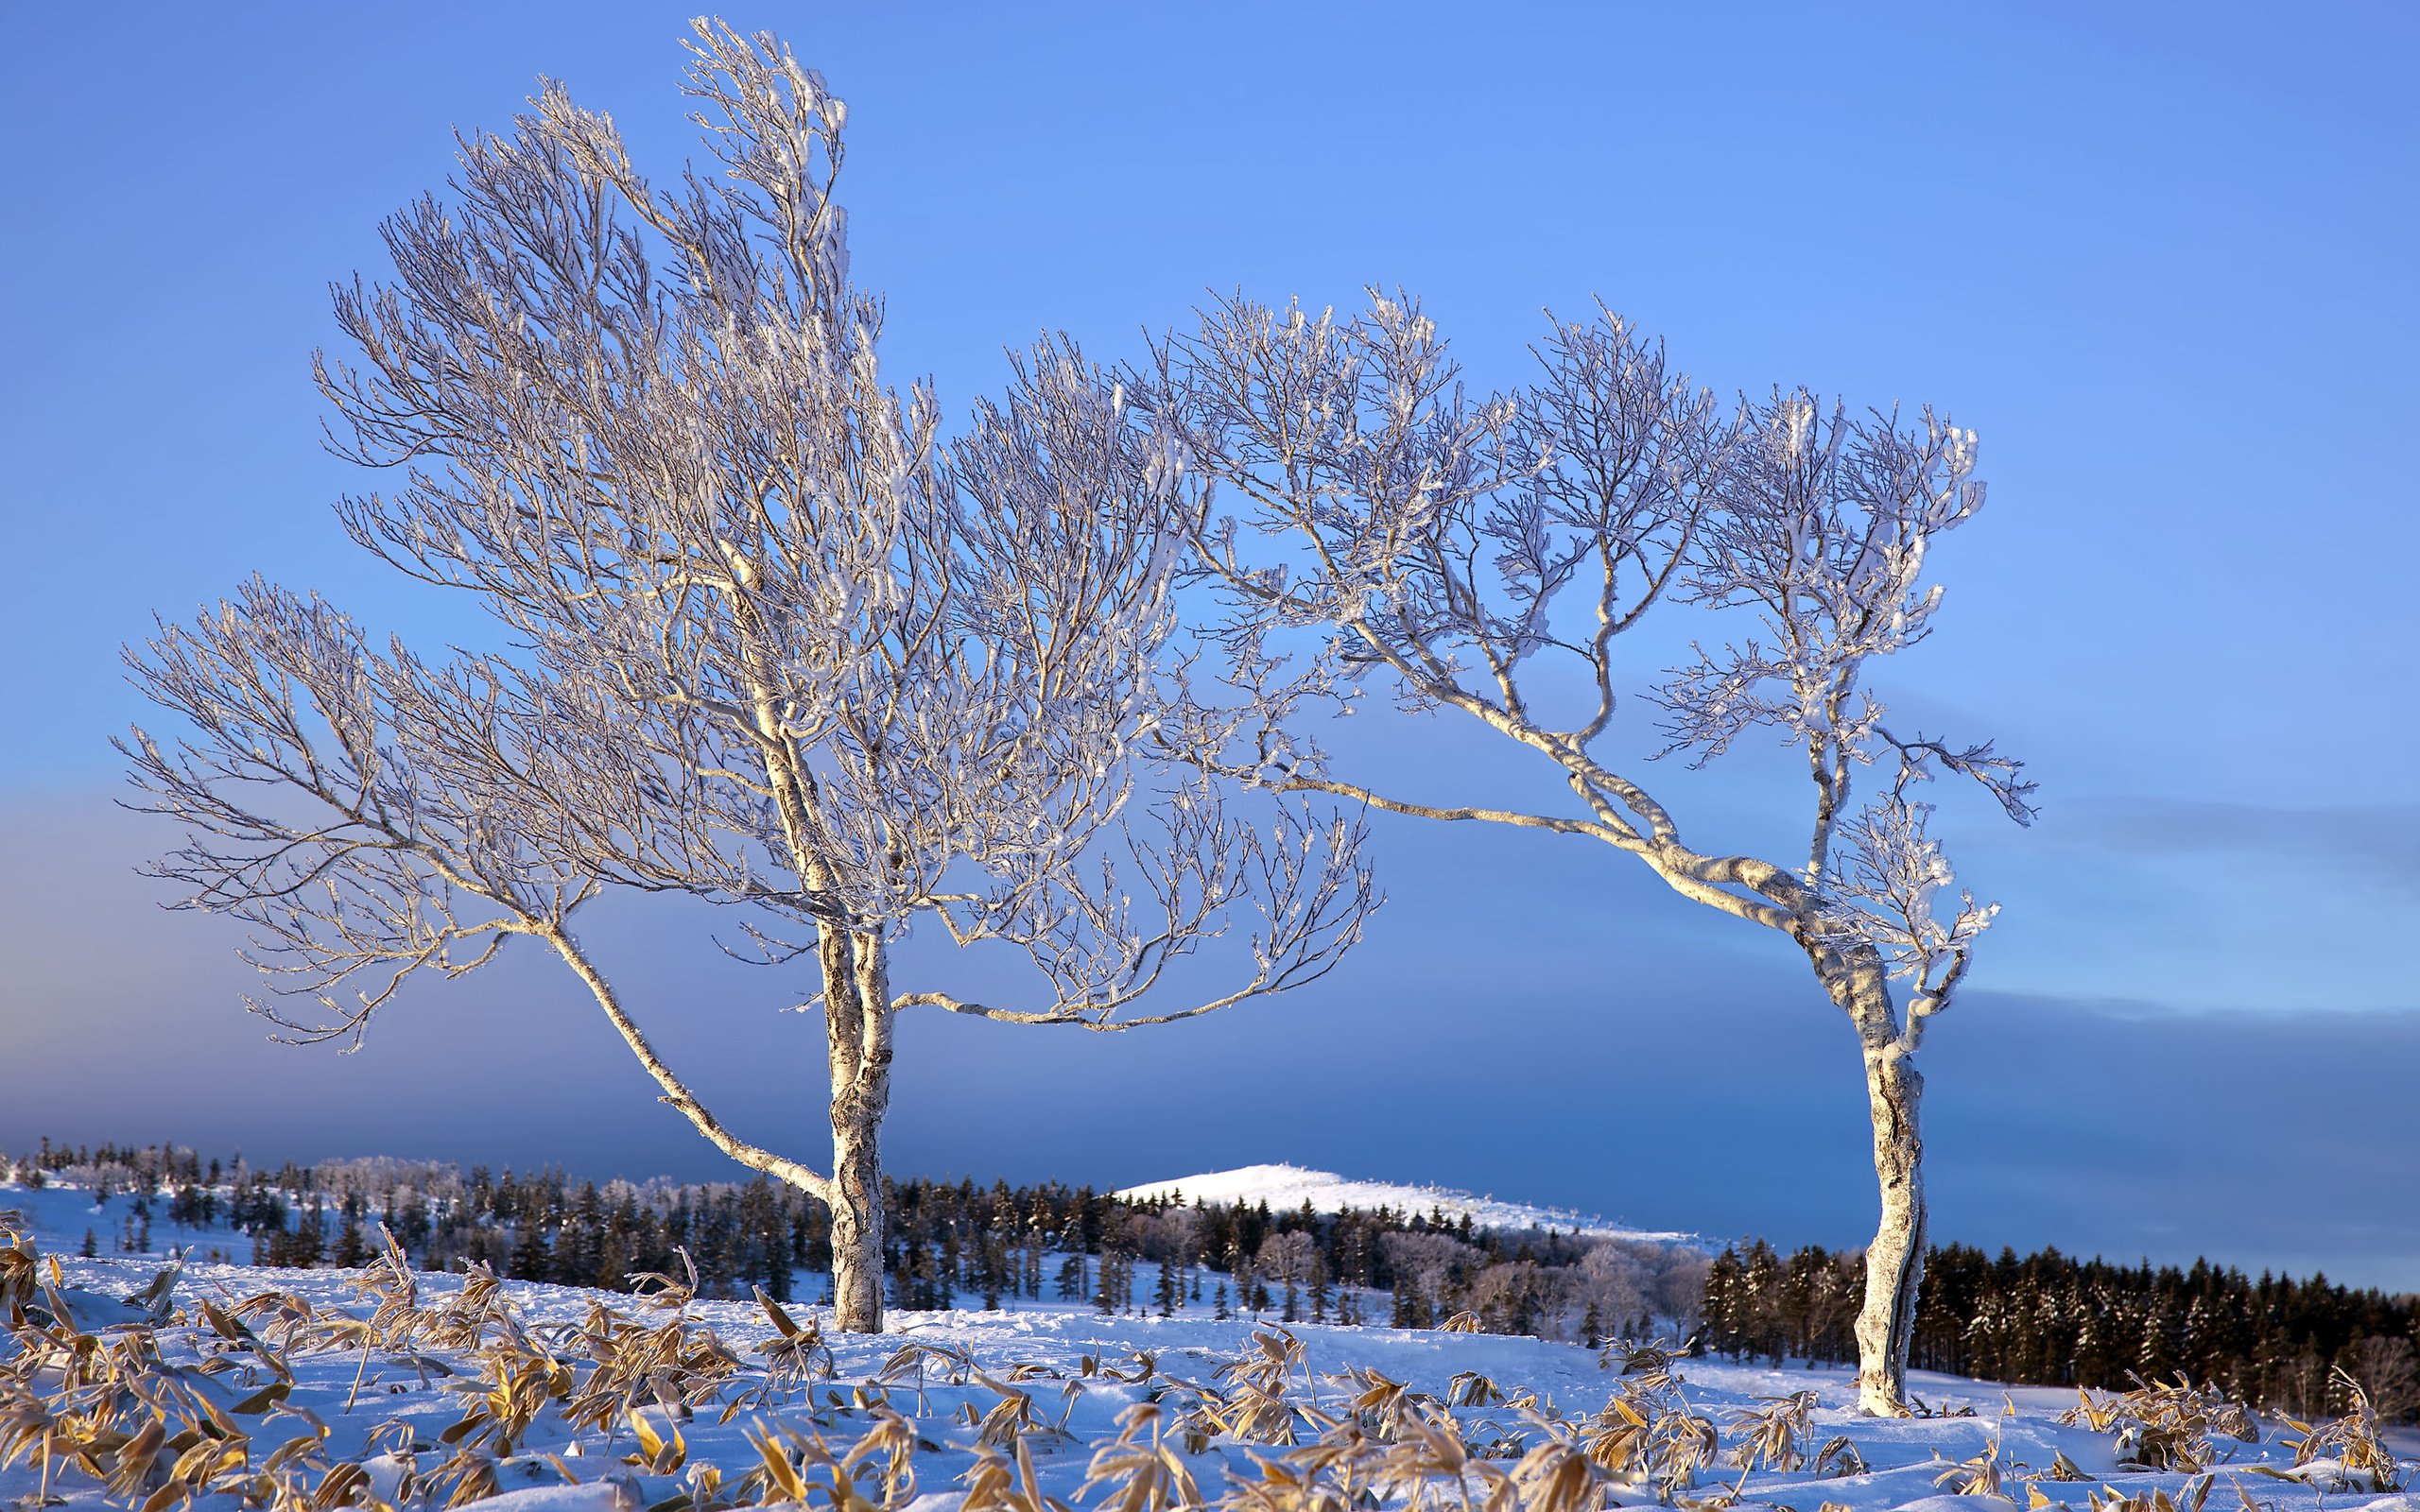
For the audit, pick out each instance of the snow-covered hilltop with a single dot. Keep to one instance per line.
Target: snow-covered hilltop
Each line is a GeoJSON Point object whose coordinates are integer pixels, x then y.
{"type": "Point", "coordinates": [1284, 1187]}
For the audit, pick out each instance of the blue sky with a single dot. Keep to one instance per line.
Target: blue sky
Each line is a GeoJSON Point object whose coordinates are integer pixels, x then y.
{"type": "Point", "coordinates": [2158, 256]}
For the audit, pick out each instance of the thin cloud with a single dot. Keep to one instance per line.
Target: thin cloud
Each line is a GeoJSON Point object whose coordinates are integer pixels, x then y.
{"type": "Point", "coordinates": [2378, 842]}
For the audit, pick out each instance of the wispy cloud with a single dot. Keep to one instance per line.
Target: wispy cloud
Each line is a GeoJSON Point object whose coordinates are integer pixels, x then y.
{"type": "Point", "coordinates": [2378, 843]}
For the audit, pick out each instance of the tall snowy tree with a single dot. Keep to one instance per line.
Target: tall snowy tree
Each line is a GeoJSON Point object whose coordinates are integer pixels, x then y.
{"type": "Point", "coordinates": [1363, 519]}
{"type": "Point", "coordinates": [772, 642]}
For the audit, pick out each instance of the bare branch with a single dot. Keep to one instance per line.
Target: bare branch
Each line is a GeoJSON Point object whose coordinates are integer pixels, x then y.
{"type": "Point", "coordinates": [1378, 525]}
{"type": "Point", "coordinates": [772, 641]}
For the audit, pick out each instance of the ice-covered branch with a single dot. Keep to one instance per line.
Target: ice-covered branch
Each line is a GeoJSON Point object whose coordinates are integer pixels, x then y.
{"type": "Point", "coordinates": [1891, 890]}
{"type": "Point", "coordinates": [1822, 530]}
{"type": "Point", "coordinates": [2000, 775]}
{"type": "Point", "coordinates": [769, 639]}
{"type": "Point", "coordinates": [377, 822]}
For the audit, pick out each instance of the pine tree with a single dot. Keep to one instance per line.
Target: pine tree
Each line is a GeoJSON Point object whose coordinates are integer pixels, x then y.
{"type": "Point", "coordinates": [532, 1259]}
{"type": "Point", "coordinates": [1072, 1281]}
{"type": "Point", "coordinates": [1726, 1302]}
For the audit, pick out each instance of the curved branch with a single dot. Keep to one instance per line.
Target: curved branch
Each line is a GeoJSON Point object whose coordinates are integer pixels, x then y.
{"type": "Point", "coordinates": [1297, 783]}
{"type": "Point", "coordinates": [1706, 879]}
{"type": "Point", "coordinates": [1700, 879]}
{"type": "Point", "coordinates": [1074, 1014]}
{"type": "Point", "coordinates": [676, 1091]}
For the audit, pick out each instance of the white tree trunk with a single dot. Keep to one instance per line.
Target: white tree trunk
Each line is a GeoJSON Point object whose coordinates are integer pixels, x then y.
{"type": "Point", "coordinates": [856, 1220]}
{"type": "Point", "coordinates": [1895, 1263]}
{"type": "Point", "coordinates": [856, 1015]}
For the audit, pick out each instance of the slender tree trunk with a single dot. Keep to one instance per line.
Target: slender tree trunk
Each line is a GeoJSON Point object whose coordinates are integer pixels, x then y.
{"type": "Point", "coordinates": [856, 1015]}
{"type": "Point", "coordinates": [1895, 1263]}
{"type": "Point", "coordinates": [856, 1220]}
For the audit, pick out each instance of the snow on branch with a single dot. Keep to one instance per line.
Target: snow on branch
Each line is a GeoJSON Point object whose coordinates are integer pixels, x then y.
{"type": "Point", "coordinates": [1343, 483]}
{"type": "Point", "coordinates": [1358, 518]}
{"type": "Point", "coordinates": [1357, 515]}
{"type": "Point", "coordinates": [2000, 775]}
{"type": "Point", "coordinates": [775, 642]}
{"type": "Point", "coordinates": [1822, 530]}
{"type": "Point", "coordinates": [319, 813]}
{"type": "Point", "coordinates": [1296, 873]}
{"type": "Point", "coordinates": [1890, 890]}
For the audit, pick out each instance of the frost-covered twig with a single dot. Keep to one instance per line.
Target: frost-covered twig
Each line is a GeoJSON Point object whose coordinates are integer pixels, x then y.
{"type": "Point", "coordinates": [774, 640]}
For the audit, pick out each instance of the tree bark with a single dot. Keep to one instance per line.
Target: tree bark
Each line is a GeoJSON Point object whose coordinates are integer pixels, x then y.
{"type": "Point", "coordinates": [856, 1222]}
{"type": "Point", "coordinates": [1895, 1263]}
{"type": "Point", "coordinates": [856, 1015]}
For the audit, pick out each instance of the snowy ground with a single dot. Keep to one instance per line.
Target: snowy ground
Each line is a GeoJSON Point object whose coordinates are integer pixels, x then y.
{"type": "Point", "coordinates": [1287, 1186]}
{"type": "Point", "coordinates": [60, 1217]}
{"type": "Point", "coordinates": [942, 1390]}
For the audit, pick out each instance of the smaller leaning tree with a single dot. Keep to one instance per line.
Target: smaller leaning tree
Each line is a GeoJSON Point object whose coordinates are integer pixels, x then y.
{"type": "Point", "coordinates": [774, 645]}
{"type": "Point", "coordinates": [1361, 517]}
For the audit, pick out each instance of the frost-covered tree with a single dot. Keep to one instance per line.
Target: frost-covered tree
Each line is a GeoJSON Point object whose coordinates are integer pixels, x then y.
{"type": "Point", "coordinates": [1361, 517]}
{"type": "Point", "coordinates": [771, 640]}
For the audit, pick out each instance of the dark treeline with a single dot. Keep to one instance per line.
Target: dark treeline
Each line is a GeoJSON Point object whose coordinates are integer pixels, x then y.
{"type": "Point", "coordinates": [2044, 1319]}
{"type": "Point", "coordinates": [2049, 1319]}
{"type": "Point", "coordinates": [538, 1226]}
{"type": "Point", "coordinates": [950, 1244]}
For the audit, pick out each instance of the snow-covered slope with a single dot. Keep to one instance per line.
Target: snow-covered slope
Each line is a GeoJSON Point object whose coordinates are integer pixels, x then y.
{"type": "Point", "coordinates": [58, 1216]}
{"type": "Point", "coordinates": [1284, 1187]}
{"type": "Point", "coordinates": [403, 1414]}
{"type": "Point", "coordinates": [614, 1411]}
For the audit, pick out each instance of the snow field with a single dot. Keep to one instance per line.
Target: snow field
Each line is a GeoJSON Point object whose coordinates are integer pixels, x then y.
{"type": "Point", "coordinates": [443, 1389]}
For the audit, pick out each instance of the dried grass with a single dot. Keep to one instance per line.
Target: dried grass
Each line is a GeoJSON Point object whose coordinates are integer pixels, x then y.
{"type": "Point", "coordinates": [2166, 1426]}
{"type": "Point", "coordinates": [2360, 1458]}
{"type": "Point", "coordinates": [1774, 1435]}
{"type": "Point", "coordinates": [103, 1406]}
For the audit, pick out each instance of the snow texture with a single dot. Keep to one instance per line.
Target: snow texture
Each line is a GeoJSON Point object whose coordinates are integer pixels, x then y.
{"type": "Point", "coordinates": [1077, 1363]}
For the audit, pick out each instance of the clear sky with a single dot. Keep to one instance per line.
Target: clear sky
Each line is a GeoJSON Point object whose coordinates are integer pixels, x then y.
{"type": "Point", "coordinates": [2160, 257]}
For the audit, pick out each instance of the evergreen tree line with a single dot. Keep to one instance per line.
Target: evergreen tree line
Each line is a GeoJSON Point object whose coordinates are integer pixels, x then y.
{"type": "Point", "coordinates": [2042, 1319]}
{"type": "Point", "coordinates": [2049, 1319]}
{"type": "Point", "coordinates": [949, 1245]}
{"type": "Point", "coordinates": [535, 1226]}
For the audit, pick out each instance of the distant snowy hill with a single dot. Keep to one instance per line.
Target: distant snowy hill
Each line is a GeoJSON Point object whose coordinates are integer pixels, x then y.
{"type": "Point", "coordinates": [1289, 1186]}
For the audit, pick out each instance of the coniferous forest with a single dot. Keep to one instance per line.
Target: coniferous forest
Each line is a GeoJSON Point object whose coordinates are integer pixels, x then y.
{"type": "Point", "coordinates": [2051, 1320]}
{"type": "Point", "coordinates": [2046, 1318]}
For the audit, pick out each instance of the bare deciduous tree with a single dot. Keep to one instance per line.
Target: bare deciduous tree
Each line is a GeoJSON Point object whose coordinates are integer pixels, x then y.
{"type": "Point", "coordinates": [1361, 517]}
{"type": "Point", "coordinates": [775, 644]}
